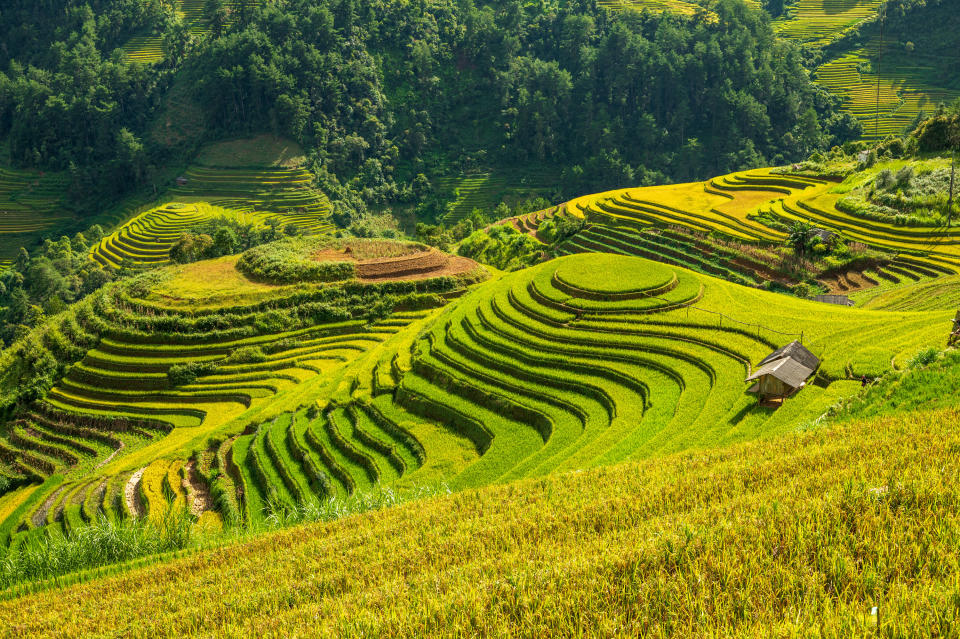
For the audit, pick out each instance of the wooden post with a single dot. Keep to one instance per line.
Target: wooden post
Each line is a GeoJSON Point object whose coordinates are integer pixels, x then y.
{"type": "Point", "coordinates": [953, 166]}
{"type": "Point", "coordinates": [876, 124]}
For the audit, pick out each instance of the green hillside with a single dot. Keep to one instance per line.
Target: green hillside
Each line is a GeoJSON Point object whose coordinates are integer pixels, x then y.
{"type": "Point", "coordinates": [653, 362]}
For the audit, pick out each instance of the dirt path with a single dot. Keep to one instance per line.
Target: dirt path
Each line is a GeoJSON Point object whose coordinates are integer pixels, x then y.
{"type": "Point", "coordinates": [131, 494]}
{"type": "Point", "coordinates": [198, 495]}
{"type": "Point", "coordinates": [110, 457]}
{"type": "Point", "coordinates": [40, 515]}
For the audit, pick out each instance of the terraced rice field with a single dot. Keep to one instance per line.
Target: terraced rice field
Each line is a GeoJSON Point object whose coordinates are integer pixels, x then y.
{"type": "Point", "coordinates": [904, 89]}
{"type": "Point", "coordinates": [30, 202]}
{"type": "Point", "coordinates": [148, 48]}
{"type": "Point", "coordinates": [114, 434]}
{"type": "Point", "coordinates": [681, 7]}
{"type": "Point", "coordinates": [527, 373]}
{"type": "Point", "coordinates": [780, 527]}
{"type": "Point", "coordinates": [557, 367]}
{"type": "Point", "coordinates": [259, 196]}
{"type": "Point", "coordinates": [943, 292]}
{"type": "Point", "coordinates": [818, 22]}
{"type": "Point", "coordinates": [728, 206]}
{"type": "Point", "coordinates": [661, 245]}
{"type": "Point", "coordinates": [485, 190]}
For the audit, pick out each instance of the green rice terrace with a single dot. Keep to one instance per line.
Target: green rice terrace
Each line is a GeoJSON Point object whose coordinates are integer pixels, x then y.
{"type": "Point", "coordinates": [267, 188]}
{"type": "Point", "coordinates": [247, 399]}
{"type": "Point", "coordinates": [147, 48]}
{"type": "Point", "coordinates": [755, 208]}
{"type": "Point", "coordinates": [31, 202]}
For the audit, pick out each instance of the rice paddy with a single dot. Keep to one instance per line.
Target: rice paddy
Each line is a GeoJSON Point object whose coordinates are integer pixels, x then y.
{"type": "Point", "coordinates": [903, 90]}
{"type": "Point", "coordinates": [147, 48]}
{"type": "Point", "coordinates": [846, 531]}
{"type": "Point", "coordinates": [730, 206]}
{"type": "Point", "coordinates": [31, 202]}
{"type": "Point", "coordinates": [484, 190]}
{"type": "Point", "coordinates": [280, 196]}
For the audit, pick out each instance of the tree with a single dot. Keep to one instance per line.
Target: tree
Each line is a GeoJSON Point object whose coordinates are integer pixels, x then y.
{"type": "Point", "coordinates": [801, 233]}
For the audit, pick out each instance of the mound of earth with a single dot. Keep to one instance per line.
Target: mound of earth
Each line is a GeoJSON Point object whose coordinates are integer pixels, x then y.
{"type": "Point", "coordinates": [414, 262]}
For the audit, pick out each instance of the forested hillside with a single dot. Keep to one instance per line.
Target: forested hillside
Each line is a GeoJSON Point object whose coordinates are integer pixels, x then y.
{"type": "Point", "coordinates": [382, 91]}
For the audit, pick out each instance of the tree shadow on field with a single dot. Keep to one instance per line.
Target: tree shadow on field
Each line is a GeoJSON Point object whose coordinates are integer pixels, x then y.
{"type": "Point", "coordinates": [831, 7]}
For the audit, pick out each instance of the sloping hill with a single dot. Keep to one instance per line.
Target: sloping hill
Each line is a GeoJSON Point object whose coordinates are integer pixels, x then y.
{"type": "Point", "coordinates": [558, 367]}
{"type": "Point", "coordinates": [844, 531]}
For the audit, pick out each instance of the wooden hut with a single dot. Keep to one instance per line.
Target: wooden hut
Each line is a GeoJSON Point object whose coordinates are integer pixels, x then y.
{"type": "Point", "coordinates": [783, 372]}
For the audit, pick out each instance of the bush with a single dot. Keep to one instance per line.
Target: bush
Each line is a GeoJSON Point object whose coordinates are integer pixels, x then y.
{"type": "Point", "coordinates": [287, 261]}
{"type": "Point", "coordinates": [904, 176]}
{"type": "Point", "coordinates": [923, 358]}
{"type": "Point", "coordinates": [246, 355]}
{"type": "Point", "coordinates": [884, 179]}
{"type": "Point", "coordinates": [183, 374]}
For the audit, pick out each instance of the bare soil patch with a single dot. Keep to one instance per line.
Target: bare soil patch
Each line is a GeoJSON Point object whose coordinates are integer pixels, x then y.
{"type": "Point", "coordinates": [198, 495]}
{"type": "Point", "coordinates": [40, 516]}
{"type": "Point", "coordinates": [132, 494]}
{"type": "Point", "coordinates": [410, 264]}
{"type": "Point", "coordinates": [845, 283]}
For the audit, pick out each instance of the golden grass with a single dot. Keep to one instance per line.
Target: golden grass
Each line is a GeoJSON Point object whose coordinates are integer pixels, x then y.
{"type": "Point", "coordinates": [214, 282]}
{"type": "Point", "coordinates": [799, 536]}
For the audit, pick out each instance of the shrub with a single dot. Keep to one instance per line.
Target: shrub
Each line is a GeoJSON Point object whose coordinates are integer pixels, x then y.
{"type": "Point", "coordinates": [246, 355]}
{"type": "Point", "coordinates": [287, 261]}
{"type": "Point", "coordinates": [904, 176]}
{"type": "Point", "coordinates": [923, 358]}
{"type": "Point", "coordinates": [182, 374]}
{"type": "Point", "coordinates": [884, 179]}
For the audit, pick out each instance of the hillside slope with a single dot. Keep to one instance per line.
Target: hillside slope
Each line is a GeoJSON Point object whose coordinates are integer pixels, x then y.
{"type": "Point", "coordinates": [288, 395]}
{"type": "Point", "coordinates": [798, 536]}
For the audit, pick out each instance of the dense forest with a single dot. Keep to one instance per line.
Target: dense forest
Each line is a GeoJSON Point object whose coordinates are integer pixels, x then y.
{"type": "Point", "coordinates": [380, 90]}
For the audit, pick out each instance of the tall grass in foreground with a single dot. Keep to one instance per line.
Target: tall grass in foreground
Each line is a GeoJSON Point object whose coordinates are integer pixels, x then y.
{"type": "Point", "coordinates": [52, 553]}
{"type": "Point", "coordinates": [49, 554]}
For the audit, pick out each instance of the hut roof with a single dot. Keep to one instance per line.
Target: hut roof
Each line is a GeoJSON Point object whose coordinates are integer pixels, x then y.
{"type": "Point", "coordinates": [791, 364]}
{"type": "Point", "coordinates": [795, 351]}
{"type": "Point", "coordinates": [787, 370]}
{"type": "Point", "coordinates": [822, 234]}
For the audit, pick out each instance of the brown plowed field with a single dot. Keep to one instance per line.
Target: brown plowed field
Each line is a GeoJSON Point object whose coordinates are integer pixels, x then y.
{"type": "Point", "coordinates": [413, 266]}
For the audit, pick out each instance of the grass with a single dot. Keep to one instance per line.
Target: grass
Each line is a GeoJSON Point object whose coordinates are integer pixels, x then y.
{"type": "Point", "coordinates": [743, 540]}
{"type": "Point", "coordinates": [214, 282]}
{"type": "Point", "coordinates": [265, 150]}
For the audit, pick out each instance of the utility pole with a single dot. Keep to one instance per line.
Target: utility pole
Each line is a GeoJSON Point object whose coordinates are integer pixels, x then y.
{"type": "Point", "coordinates": [876, 124]}
{"type": "Point", "coordinates": [953, 167]}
